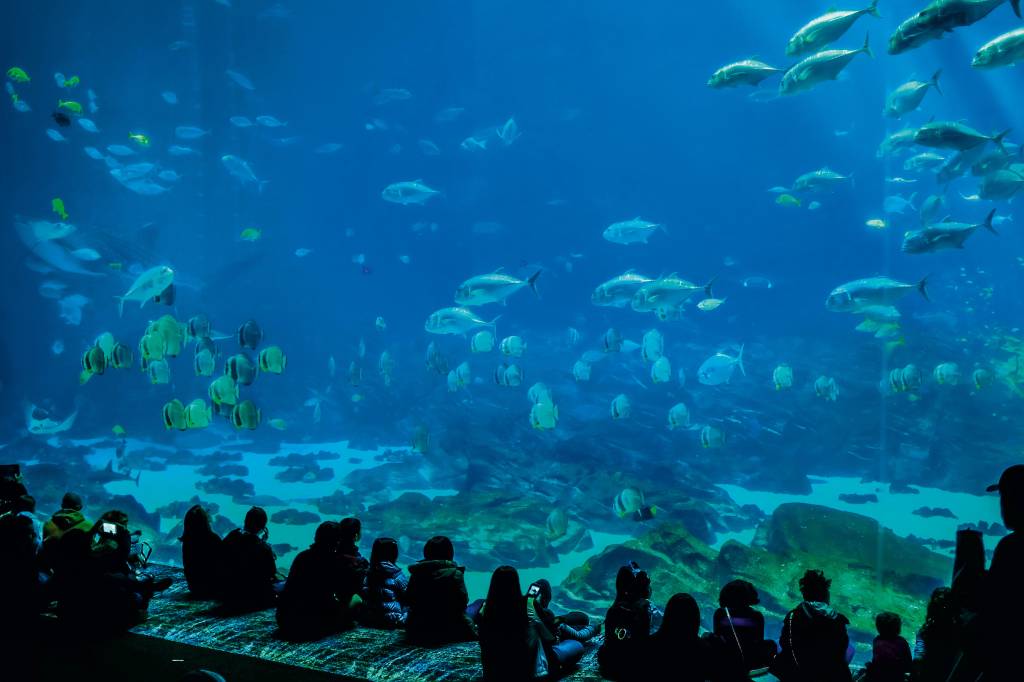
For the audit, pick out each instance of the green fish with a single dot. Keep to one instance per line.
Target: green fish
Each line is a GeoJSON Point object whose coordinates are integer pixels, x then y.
{"type": "Point", "coordinates": [72, 82]}
{"type": "Point", "coordinates": [18, 75]}
{"type": "Point", "coordinates": [72, 106]}
{"type": "Point", "coordinates": [788, 200]}
{"type": "Point", "coordinates": [58, 208]}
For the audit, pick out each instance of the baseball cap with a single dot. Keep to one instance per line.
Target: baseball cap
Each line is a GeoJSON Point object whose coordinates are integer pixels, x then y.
{"type": "Point", "coordinates": [1012, 481]}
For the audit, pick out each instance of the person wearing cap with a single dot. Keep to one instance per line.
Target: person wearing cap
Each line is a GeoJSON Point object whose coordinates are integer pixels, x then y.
{"type": "Point", "coordinates": [741, 626]}
{"type": "Point", "coordinates": [67, 517]}
{"type": "Point", "coordinates": [1003, 608]}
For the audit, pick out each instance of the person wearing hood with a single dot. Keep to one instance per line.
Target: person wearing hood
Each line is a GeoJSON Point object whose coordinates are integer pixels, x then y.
{"type": "Point", "coordinates": [438, 598]}
{"type": "Point", "coordinates": [201, 555]}
{"type": "Point", "coordinates": [741, 626]}
{"type": "Point", "coordinates": [313, 603]}
{"type": "Point", "coordinates": [815, 644]}
{"type": "Point", "coordinates": [385, 604]}
{"type": "Point", "coordinates": [67, 517]}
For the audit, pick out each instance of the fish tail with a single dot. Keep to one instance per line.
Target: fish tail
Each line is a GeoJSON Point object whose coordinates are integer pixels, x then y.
{"type": "Point", "coordinates": [533, 281]}
{"type": "Point", "coordinates": [935, 81]}
{"type": "Point", "coordinates": [873, 9]}
{"type": "Point", "coordinates": [922, 286]}
{"type": "Point", "coordinates": [1016, 6]}
{"type": "Point", "coordinates": [707, 287]}
{"type": "Point", "coordinates": [998, 139]}
{"type": "Point", "coordinates": [988, 222]}
{"type": "Point", "coordinates": [867, 46]}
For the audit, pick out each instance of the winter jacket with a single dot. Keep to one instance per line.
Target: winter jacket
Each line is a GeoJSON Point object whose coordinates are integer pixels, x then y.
{"type": "Point", "coordinates": [310, 605]}
{"type": "Point", "coordinates": [814, 643]}
{"type": "Point", "coordinates": [64, 520]}
{"type": "Point", "coordinates": [384, 596]}
{"type": "Point", "coordinates": [437, 604]}
{"type": "Point", "coordinates": [742, 630]}
{"type": "Point", "coordinates": [627, 627]}
{"type": "Point", "coordinates": [250, 571]}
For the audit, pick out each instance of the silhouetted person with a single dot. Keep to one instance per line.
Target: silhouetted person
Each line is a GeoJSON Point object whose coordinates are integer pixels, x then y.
{"type": "Point", "coordinates": [677, 652]}
{"type": "Point", "coordinates": [310, 605]}
{"type": "Point", "coordinates": [741, 626]}
{"type": "Point", "coordinates": [21, 598]}
{"type": "Point", "coordinates": [814, 640]}
{"type": "Point", "coordinates": [939, 646]}
{"type": "Point", "coordinates": [250, 567]}
{"type": "Point", "coordinates": [627, 626]}
{"type": "Point", "coordinates": [438, 598]}
{"type": "Point", "coordinates": [202, 555]}
{"type": "Point", "coordinates": [68, 517]}
{"type": "Point", "coordinates": [1002, 615]}
{"type": "Point", "coordinates": [385, 603]}
{"type": "Point", "coordinates": [352, 565]}
{"type": "Point", "coordinates": [510, 647]}
{"type": "Point", "coordinates": [574, 625]}
{"type": "Point", "coordinates": [202, 676]}
{"type": "Point", "coordinates": [563, 651]}
{"type": "Point", "coordinates": [890, 654]}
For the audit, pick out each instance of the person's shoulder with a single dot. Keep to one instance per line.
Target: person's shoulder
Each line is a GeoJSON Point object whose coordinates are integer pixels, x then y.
{"type": "Point", "coordinates": [1014, 542]}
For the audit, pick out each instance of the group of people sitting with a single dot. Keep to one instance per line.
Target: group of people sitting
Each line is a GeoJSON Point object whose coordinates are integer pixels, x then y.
{"type": "Point", "coordinates": [93, 573]}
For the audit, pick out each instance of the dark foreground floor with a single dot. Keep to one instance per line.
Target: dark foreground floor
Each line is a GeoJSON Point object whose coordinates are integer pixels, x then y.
{"type": "Point", "coordinates": [182, 634]}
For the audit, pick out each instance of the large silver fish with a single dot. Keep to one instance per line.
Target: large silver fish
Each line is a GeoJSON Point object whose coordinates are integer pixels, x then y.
{"type": "Point", "coordinates": [494, 287]}
{"type": "Point", "coordinates": [819, 68]}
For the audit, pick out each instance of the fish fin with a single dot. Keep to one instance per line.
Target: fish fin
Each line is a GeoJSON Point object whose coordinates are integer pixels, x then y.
{"type": "Point", "coordinates": [867, 46]}
{"type": "Point", "coordinates": [1016, 6]}
{"type": "Point", "coordinates": [739, 360]}
{"type": "Point", "coordinates": [137, 477]}
{"type": "Point", "coordinates": [922, 286]}
{"type": "Point", "coordinates": [988, 222]}
{"type": "Point", "coordinates": [533, 282]}
{"type": "Point", "coordinates": [935, 81]}
{"type": "Point", "coordinates": [707, 287]}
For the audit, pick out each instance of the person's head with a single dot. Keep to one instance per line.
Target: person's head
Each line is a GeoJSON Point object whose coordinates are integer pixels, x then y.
{"type": "Point", "coordinates": [738, 594]}
{"type": "Point", "coordinates": [197, 522]}
{"type": "Point", "coordinates": [505, 603]}
{"type": "Point", "coordinates": [543, 597]}
{"type": "Point", "coordinates": [941, 606]}
{"type": "Point", "coordinates": [71, 501]}
{"type": "Point", "coordinates": [814, 586]}
{"type": "Point", "coordinates": [25, 503]}
{"type": "Point", "coordinates": [439, 548]}
{"type": "Point", "coordinates": [255, 520]}
{"type": "Point", "coordinates": [115, 516]}
{"type": "Point", "coordinates": [632, 583]}
{"type": "Point", "coordinates": [888, 624]}
{"type": "Point", "coordinates": [1011, 496]}
{"type": "Point", "coordinates": [351, 531]}
{"type": "Point", "coordinates": [682, 618]}
{"type": "Point", "coordinates": [327, 537]}
{"type": "Point", "coordinates": [384, 549]}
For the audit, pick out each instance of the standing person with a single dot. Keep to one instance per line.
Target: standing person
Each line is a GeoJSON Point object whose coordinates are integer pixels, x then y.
{"type": "Point", "coordinates": [627, 626]}
{"type": "Point", "coordinates": [250, 567]}
{"type": "Point", "coordinates": [438, 598]}
{"type": "Point", "coordinates": [939, 646]}
{"type": "Point", "coordinates": [741, 626]}
{"type": "Point", "coordinates": [201, 555]}
{"type": "Point", "coordinates": [385, 604]}
{"type": "Point", "coordinates": [1003, 603]}
{"type": "Point", "coordinates": [311, 604]}
{"type": "Point", "coordinates": [814, 639]}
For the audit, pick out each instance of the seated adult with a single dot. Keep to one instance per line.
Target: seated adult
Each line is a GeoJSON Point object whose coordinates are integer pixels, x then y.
{"type": "Point", "coordinates": [678, 652]}
{"type": "Point", "coordinates": [741, 626]}
{"type": "Point", "coordinates": [510, 646]}
{"type": "Point", "coordinates": [309, 606]}
{"type": "Point", "coordinates": [574, 625]}
{"type": "Point", "coordinates": [627, 626]}
{"type": "Point", "coordinates": [385, 604]}
{"type": "Point", "coordinates": [68, 517]}
{"type": "Point", "coordinates": [814, 639]}
{"type": "Point", "coordinates": [201, 555]}
{"type": "Point", "coordinates": [21, 598]}
{"type": "Point", "coordinates": [438, 598]}
{"type": "Point", "coordinates": [250, 567]}
{"type": "Point", "coordinates": [352, 565]}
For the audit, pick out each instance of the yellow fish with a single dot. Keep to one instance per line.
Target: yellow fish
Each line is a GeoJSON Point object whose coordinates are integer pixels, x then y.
{"type": "Point", "coordinates": [58, 208]}
{"type": "Point", "coordinates": [710, 303]}
{"type": "Point", "coordinates": [788, 200]}
{"type": "Point", "coordinates": [140, 139]}
{"type": "Point", "coordinates": [73, 107]}
{"type": "Point", "coordinates": [72, 82]}
{"type": "Point", "coordinates": [18, 75]}
{"type": "Point", "coordinates": [251, 234]}
{"type": "Point", "coordinates": [877, 224]}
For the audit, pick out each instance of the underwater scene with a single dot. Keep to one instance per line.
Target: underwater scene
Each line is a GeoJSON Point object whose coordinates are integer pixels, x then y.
{"type": "Point", "coordinates": [728, 289]}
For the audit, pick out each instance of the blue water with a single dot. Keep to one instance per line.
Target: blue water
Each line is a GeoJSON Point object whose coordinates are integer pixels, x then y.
{"type": "Point", "coordinates": [616, 122]}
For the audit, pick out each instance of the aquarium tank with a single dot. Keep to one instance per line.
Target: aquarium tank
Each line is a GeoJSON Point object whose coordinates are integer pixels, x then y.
{"type": "Point", "coordinates": [728, 289]}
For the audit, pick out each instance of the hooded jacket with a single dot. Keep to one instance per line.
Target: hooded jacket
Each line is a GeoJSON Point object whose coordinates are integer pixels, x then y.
{"type": "Point", "coordinates": [384, 596]}
{"type": "Point", "coordinates": [64, 520]}
{"type": "Point", "coordinates": [437, 604]}
{"type": "Point", "coordinates": [814, 643]}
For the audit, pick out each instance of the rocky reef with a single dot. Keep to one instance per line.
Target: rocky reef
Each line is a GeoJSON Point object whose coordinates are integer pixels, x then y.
{"type": "Point", "coordinates": [872, 569]}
